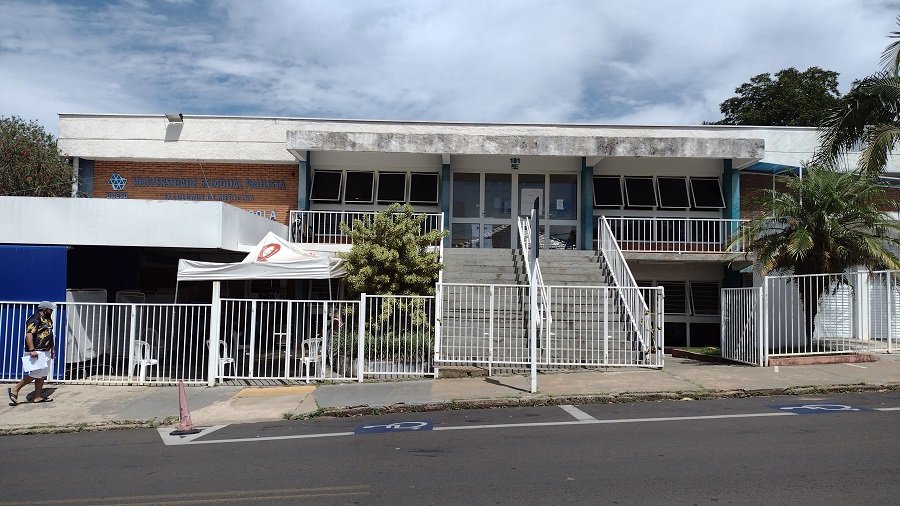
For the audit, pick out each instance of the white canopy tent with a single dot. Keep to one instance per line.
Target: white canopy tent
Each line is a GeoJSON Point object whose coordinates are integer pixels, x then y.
{"type": "Point", "coordinates": [272, 258]}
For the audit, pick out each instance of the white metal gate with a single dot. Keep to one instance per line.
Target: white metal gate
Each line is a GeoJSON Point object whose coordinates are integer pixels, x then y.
{"type": "Point", "coordinates": [743, 332]}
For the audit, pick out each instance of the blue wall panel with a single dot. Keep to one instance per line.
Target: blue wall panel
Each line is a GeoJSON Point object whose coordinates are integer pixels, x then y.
{"type": "Point", "coordinates": [33, 273]}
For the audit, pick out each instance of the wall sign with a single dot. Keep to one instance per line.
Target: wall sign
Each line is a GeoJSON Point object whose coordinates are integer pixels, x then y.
{"type": "Point", "coordinates": [266, 190]}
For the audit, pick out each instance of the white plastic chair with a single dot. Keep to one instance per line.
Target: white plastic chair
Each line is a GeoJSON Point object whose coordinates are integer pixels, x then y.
{"type": "Point", "coordinates": [309, 357]}
{"type": "Point", "coordinates": [224, 358]}
{"type": "Point", "coordinates": [142, 358]}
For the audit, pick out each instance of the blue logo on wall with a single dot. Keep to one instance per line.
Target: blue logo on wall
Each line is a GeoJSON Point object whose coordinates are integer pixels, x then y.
{"type": "Point", "coordinates": [117, 181]}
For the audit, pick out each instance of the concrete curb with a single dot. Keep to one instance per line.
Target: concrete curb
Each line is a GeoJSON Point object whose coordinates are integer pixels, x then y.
{"type": "Point", "coordinates": [556, 400]}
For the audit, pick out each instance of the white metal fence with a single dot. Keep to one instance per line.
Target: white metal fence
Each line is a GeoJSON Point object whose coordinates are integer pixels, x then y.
{"type": "Point", "coordinates": [812, 315]}
{"type": "Point", "coordinates": [487, 325]}
{"type": "Point", "coordinates": [324, 227]}
{"type": "Point", "coordinates": [676, 235]}
{"type": "Point", "coordinates": [114, 343]}
{"type": "Point", "coordinates": [743, 336]}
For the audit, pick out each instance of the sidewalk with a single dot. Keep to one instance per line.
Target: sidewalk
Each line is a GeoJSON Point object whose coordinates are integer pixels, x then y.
{"type": "Point", "coordinates": [80, 407]}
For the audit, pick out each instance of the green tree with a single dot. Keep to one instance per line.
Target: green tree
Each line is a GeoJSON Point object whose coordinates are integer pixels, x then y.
{"type": "Point", "coordinates": [792, 98]}
{"type": "Point", "coordinates": [824, 222]}
{"type": "Point", "coordinates": [391, 255]}
{"type": "Point", "coordinates": [867, 117]}
{"type": "Point", "coordinates": [30, 164]}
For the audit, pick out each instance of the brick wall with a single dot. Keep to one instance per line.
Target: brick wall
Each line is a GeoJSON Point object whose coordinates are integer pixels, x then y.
{"type": "Point", "coordinates": [262, 188]}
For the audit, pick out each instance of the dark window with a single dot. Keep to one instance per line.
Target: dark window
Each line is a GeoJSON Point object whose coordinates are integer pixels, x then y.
{"type": "Point", "coordinates": [672, 192]}
{"type": "Point", "coordinates": [391, 187]}
{"type": "Point", "coordinates": [423, 188]}
{"type": "Point", "coordinates": [360, 187]}
{"type": "Point", "coordinates": [607, 191]}
{"type": "Point", "coordinates": [326, 186]}
{"type": "Point", "coordinates": [675, 296]}
{"type": "Point", "coordinates": [705, 299]}
{"type": "Point", "coordinates": [639, 192]}
{"type": "Point", "coordinates": [707, 193]}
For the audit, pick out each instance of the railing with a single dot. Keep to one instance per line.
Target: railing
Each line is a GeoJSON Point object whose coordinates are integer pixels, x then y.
{"type": "Point", "coordinates": [676, 235]}
{"type": "Point", "coordinates": [324, 227]}
{"type": "Point", "coordinates": [485, 325]}
{"type": "Point", "coordinates": [588, 328]}
{"type": "Point", "coordinates": [743, 336]}
{"type": "Point", "coordinates": [398, 336]}
{"type": "Point", "coordinates": [114, 343]}
{"type": "Point", "coordinates": [543, 317]}
{"type": "Point", "coordinates": [287, 339]}
{"type": "Point", "coordinates": [831, 313]}
{"type": "Point", "coordinates": [633, 304]}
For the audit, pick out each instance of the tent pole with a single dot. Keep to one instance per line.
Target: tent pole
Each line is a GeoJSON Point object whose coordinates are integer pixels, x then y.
{"type": "Point", "coordinates": [176, 292]}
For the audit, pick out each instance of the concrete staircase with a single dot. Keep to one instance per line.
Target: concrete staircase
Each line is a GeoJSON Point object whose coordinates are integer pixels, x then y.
{"type": "Point", "coordinates": [576, 335]}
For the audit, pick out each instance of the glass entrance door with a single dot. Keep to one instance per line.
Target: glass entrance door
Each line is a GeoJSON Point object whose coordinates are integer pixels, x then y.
{"type": "Point", "coordinates": [483, 203]}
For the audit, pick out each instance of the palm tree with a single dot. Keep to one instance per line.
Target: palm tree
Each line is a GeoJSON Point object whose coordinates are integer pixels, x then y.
{"type": "Point", "coordinates": [824, 222]}
{"type": "Point", "coordinates": [867, 116]}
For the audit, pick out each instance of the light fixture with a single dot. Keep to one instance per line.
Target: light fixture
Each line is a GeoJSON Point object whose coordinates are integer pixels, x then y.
{"type": "Point", "coordinates": [175, 117]}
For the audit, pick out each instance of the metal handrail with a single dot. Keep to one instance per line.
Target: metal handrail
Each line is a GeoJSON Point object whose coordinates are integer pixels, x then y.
{"type": "Point", "coordinates": [524, 224]}
{"type": "Point", "coordinates": [634, 302]}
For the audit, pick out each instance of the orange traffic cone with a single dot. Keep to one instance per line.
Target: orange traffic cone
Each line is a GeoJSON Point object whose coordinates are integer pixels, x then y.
{"type": "Point", "coordinates": [186, 426]}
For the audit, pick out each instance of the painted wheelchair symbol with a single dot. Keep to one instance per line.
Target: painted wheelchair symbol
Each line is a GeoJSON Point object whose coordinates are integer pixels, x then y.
{"type": "Point", "coordinates": [397, 426]}
{"type": "Point", "coordinates": [821, 407]}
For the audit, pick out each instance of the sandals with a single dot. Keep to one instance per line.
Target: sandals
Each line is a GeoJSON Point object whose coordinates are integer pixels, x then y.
{"type": "Point", "coordinates": [43, 399]}
{"type": "Point", "coordinates": [13, 398]}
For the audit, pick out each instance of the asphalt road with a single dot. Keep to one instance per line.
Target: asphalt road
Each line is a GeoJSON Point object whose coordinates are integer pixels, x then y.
{"type": "Point", "coordinates": [742, 451]}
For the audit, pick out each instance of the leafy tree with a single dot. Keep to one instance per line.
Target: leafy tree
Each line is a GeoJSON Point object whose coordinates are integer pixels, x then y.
{"type": "Point", "coordinates": [825, 222]}
{"type": "Point", "coordinates": [792, 98]}
{"type": "Point", "coordinates": [868, 117]}
{"type": "Point", "coordinates": [30, 164]}
{"type": "Point", "coordinates": [391, 255]}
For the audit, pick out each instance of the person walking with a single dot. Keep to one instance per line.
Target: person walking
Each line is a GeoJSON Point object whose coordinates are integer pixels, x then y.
{"type": "Point", "coordinates": [38, 339]}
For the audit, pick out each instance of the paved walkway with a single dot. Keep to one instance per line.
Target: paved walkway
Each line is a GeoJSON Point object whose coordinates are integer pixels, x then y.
{"type": "Point", "coordinates": [88, 406]}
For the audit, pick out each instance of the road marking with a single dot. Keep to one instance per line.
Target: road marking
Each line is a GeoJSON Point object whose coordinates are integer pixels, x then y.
{"type": "Point", "coordinates": [887, 409]}
{"type": "Point", "coordinates": [394, 427]}
{"type": "Point", "coordinates": [594, 421]}
{"type": "Point", "coordinates": [860, 366]}
{"type": "Point", "coordinates": [577, 413]}
{"type": "Point", "coordinates": [170, 440]}
{"type": "Point", "coordinates": [808, 409]}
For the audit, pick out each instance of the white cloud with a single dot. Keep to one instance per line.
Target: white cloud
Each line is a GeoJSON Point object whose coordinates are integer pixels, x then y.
{"type": "Point", "coordinates": [650, 62]}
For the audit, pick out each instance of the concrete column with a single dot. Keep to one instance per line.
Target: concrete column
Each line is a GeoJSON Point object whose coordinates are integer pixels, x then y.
{"type": "Point", "coordinates": [586, 232]}
{"type": "Point", "coordinates": [731, 191]}
{"type": "Point", "coordinates": [304, 178]}
{"type": "Point", "coordinates": [445, 199]}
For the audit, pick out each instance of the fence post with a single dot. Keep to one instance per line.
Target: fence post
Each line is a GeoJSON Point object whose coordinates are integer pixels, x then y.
{"type": "Point", "coordinates": [215, 311]}
{"type": "Point", "coordinates": [252, 350]}
{"type": "Point", "coordinates": [361, 338]}
{"type": "Point", "coordinates": [132, 328]}
{"type": "Point", "coordinates": [438, 315]}
{"type": "Point", "coordinates": [890, 297]}
{"type": "Point", "coordinates": [606, 326]}
{"type": "Point", "coordinates": [287, 341]}
{"type": "Point", "coordinates": [764, 321]}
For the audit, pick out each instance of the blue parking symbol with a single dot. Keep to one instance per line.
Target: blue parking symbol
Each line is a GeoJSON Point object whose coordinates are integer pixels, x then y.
{"type": "Point", "coordinates": [816, 409]}
{"type": "Point", "coordinates": [394, 427]}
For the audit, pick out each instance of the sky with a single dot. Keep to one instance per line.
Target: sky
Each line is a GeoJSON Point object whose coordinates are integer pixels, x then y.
{"type": "Point", "coordinates": [566, 61]}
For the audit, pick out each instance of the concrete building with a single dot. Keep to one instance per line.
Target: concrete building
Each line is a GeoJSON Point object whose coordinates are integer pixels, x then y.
{"type": "Point", "coordinates": [173, 186]}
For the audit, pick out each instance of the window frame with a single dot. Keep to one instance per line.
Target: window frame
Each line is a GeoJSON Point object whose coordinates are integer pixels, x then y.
{"type": "Point", "coordinates": [659, 192]}
{"type": "Point", "coordinates": [597, 205]}
{"type": "Point", "coordinates": [347, 186]}
{"type": "Point", "coordinates": [378, 198]}
{"type": "Point", "coordinates": [339, 191]}
{"type": "Point", "coordinates": [652, 193]}
{"type": "Point", "coordinates": [694, 195]}
{"type": "Point", "coordinates": [437, 188]}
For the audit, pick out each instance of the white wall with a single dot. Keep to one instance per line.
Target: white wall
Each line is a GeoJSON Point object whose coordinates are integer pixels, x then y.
{"type": "Point", "coordinates": [149, 223]}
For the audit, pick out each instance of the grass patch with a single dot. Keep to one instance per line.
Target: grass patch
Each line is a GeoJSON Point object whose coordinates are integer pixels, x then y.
{"type": "Point", "coordinates": [712, 351]}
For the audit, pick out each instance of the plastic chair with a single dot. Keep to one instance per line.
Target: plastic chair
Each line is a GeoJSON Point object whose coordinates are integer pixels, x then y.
{"type": "Point", "coordinates": [224, 358]}
{"type": "Point", "coordinates": [309, 354]}
{"type": "Point", "coordinates": [142, 359]}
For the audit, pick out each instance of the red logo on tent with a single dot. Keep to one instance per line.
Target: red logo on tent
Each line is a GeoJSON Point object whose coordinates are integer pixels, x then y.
{"type": "Point", "coordinates": [267, 251]}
